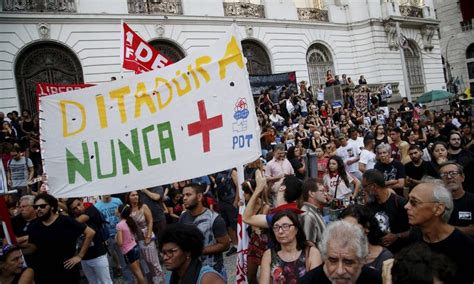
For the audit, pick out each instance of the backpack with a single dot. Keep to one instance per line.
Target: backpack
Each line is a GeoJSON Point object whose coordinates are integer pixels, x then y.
{"type": "Point", "coordinates": [225, 189]}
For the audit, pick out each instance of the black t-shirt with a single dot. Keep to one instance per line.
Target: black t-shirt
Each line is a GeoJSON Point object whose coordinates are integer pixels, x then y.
{"type": "Point", "coordinates": [20, 225]}
{"type": "Point", "coordinates": [464, 158]}
{"type": "Point", "coordinates": [391, 171]}
{"type": "Point", "coordinates": [317, 275]}
{"type": "Point", "coordinates": [392, 218]}
{"type": "Point", "coordinates": [296, 164]}
{"type": "Point", "coordinates": [97, 247]}
{"type": "Point", "coordinates": [418, 172]}
{"type": "Point", "coordinates": [55, 244]}
{"type": "Point", "coordinates": [458, 247]}
{"type": "Point", "coordinates": [463, 211]}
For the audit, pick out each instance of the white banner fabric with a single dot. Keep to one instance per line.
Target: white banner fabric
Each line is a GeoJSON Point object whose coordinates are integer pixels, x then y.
{"type": "Point", "coordinates": [185, 120]}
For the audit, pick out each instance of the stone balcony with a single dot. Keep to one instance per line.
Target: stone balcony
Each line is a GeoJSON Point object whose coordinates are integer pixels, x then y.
{"type": "Point", "coordinates": [54, 6]}
{"type": "Point", "coordinates": [247, 10]}
{"type": "Point", "coordinates": [158, 7]}
{"type": "Point", "coordinates": [313, 14]}
{"type": "Point", "coordinates": [411, 11]}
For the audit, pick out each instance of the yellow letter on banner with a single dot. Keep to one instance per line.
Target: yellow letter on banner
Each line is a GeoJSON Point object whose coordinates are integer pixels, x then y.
{"type": "Point", "coordinates": [62, 105]}
{"type": "Point", "coordinates": [144, 98]}
{"type": "Point", "coordinates": [232, 55]}
{"type": "Point", "coordinates": [119, 94]}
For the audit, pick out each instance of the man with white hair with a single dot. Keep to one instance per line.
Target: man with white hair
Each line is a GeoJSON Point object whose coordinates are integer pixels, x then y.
{"type": "Point", "coordinates": [344, 248]}
{"type": "Point", "coordinates": [429, 208]}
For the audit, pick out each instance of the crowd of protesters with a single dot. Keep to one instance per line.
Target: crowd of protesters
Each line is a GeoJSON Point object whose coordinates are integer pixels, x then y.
{"type": "Point", "coordinates": [342, 193]}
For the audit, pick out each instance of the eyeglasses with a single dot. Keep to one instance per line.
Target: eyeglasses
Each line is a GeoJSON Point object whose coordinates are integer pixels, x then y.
{"type": "Point", "coordinates": [42, 206]}
{"type": "Point", "coordinates": [284, 227]}
{"type": "Point", "coordinates": [168, 252]}
{"type": "Point", "coordinates": [415, 202]}
{"type": "Point", "coordinates": [451, 174]}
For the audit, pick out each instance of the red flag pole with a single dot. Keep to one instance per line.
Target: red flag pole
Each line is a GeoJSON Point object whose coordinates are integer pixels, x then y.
{"type": "Point", "coordinates": [6, 222]}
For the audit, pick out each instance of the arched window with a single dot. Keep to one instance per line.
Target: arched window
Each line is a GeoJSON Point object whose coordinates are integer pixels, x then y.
{"type": "Point", "coordinates": [168, 49]}
{"type": "Point", "coordinates": [470, 61]}
{"type": "Point", "coordinates": [470, 65]}
{"type": "Point", "coordinates": [319, 61]}
{"type": "Point", "coordinates": [414, 68]}
{"type": "Point", "coordinates": [258, 62]}
{"type": "Point", "coordinates": [45, 63]}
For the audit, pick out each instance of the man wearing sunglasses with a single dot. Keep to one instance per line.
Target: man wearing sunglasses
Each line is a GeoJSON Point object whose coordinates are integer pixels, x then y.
{"type": "Point", "coordinates": [462, 217]}
{"type": "Point", "coordinates": [53, 240]}
{"type": "Point", "coordinates": [429, 208]}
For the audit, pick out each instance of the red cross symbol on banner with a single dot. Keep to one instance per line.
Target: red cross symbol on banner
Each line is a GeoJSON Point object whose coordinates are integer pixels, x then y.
{"type": "Point", "coordinates": [204, 125]}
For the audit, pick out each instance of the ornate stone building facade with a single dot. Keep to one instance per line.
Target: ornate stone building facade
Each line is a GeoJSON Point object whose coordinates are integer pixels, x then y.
{"type": "Point", "coordinates": [71, 41]}
{"type": "Point", "coordinates": [457, 41]}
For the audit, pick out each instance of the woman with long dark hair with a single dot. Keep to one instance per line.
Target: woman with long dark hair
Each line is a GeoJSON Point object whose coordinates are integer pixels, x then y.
{"type": "Point", "coordinates": [142, 216]}
{"type": "Point", "coordinates": [295, 157]}
{"type": "Point", "coordinates": [338, 181]}
{"type": "Point", "coordinates": [125, 238]}
{"type": "Point", "coordinates": [439, 153]}
{"type": "Point", "coordinates": [180, 247]}
{"type": "Point", "coordinates": [292, 256]}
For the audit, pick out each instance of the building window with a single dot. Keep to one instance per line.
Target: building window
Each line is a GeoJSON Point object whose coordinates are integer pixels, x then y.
{"type": "Point", "coordinates": [45, 63]}
{"type": "Point", "coordinates": [168, 49]}
{"type": "Point", "coordinates": [470, 61]}
{"type": "Point", "coordinates": [319, 61]}
{"type": "Point", "coordinates": [258, 62]}
{"type": "Point", "coordinates": [414, 68]}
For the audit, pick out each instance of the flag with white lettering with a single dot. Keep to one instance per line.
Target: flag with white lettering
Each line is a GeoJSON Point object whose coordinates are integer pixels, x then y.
{"type": "Point", "coordinates": [138, 55]}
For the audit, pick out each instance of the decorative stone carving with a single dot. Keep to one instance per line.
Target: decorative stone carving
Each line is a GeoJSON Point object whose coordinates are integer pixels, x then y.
{"type": "Point", "coordinates": [313, 14]}
{"type": "Point", "coordinates": [391, 31]}
{"type": "Point", "coordinates": [411, 11]}
{"type": "Point", "coordinates": [160, 30]}
{"type": "Point", "coordinates": [68, 6]}
{"type": "Point", "coordinates": [427, 33]}
{"type": "Point", "coordinates": [238, 9]}
{"type": "Point", "coordinates": [161, 7]}
{"type": "Point", "coordinates": [249, 30]}
{"type": "Point", "coordinates": [43, 30]}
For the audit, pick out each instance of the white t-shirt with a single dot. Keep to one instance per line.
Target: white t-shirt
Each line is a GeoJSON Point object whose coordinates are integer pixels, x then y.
{"type": "Point", "coordinates": [348, 152]}
{"type": "Point", "coordinates": [358, 144]}
{"type": "Point", "coordinates": [320, 95]}
{"type": "Point", "coordinates": [333, 182]}
{"type": "Point", "coordinates": [368, 159]}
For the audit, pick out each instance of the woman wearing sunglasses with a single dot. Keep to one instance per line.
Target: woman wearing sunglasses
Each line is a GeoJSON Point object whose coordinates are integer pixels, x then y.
{"type": "Point", "coordinates": [12, 269]}
{"type": "Point", "coordinates": [180, 247]}
{"type": "Point", "coordinates": [291, 256]}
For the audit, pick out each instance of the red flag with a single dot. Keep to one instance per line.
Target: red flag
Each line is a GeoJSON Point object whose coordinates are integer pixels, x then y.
{"type": "Point", "coordinates": [138, 55]}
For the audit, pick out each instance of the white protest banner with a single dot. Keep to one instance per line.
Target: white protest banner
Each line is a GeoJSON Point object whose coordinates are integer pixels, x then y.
{"type": "Point", "coordinates": [186, 120]}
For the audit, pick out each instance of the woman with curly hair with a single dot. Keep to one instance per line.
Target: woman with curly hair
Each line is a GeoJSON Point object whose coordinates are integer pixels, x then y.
{"type": "Point", "coordinates": [180, 247]}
